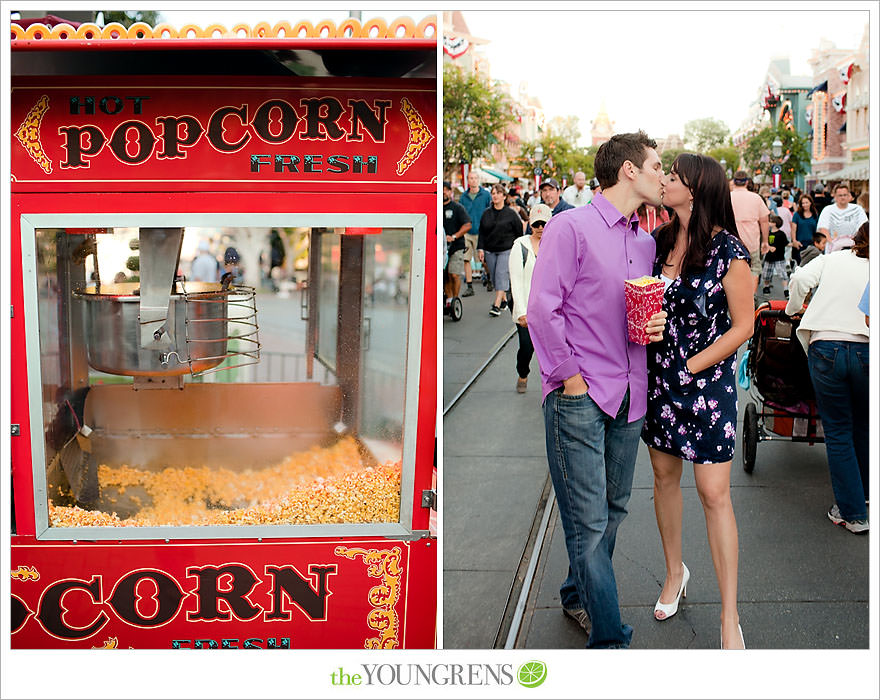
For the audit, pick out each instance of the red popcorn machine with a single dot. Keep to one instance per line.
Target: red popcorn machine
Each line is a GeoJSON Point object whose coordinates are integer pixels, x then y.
{"type": "Point", "coordinates": [223, 342]}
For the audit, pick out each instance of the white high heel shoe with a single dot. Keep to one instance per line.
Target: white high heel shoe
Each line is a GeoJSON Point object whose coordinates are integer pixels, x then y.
{"type": "Point", "coordinates": [741, 638]}
{"type": "Point", "coordinates": [669, 609]}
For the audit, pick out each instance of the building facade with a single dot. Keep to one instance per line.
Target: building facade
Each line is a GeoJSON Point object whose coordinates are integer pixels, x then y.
{"type": "Point", "coordinates": [826, 111]}
{"type": "Point", "coordinates": [853, 105]}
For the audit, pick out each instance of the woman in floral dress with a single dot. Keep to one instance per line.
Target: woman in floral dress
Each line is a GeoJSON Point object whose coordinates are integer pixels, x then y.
{"type": "Point", "coordinates": [692, 374]}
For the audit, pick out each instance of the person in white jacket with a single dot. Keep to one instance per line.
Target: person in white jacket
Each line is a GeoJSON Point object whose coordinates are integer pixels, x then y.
{"type": "Point", "coordinates": [522, 263]}
{"type": "Point", "coordinates": [835, 336]}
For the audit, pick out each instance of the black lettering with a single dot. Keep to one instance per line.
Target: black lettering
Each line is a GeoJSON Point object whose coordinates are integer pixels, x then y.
{"type": "Point", "coordinates": [52, 609]}
{"type": "Point", "coordinates": [209, 593]}
{"type": "Point", "coordinates": [322, 112]}
{"type": "Point", "coordinates": [178, 643]}
{"type": "Point", "coordinates": [166, 598]}
{"type": "Point", "coordinates": [137, 103]}
{"type": "Point", "coordinates": [87, 104]}
{"type": "Point", "coordinates": [289, 162]}
{"type": "Point", "coordinates": [336, 164]}
{"type": "Point", "coordinates": [262, 121]}
{"type": "Point", "coordinates": [299, 591]}
{"type": "Point", "coordinates": [257, 160]}
{"type": "Point", "coordinates": [363, 115]}
{"type": "Point", "coordinates": [252, 643]}
{"type": "Point", "coordinates": [74, 144]}
{"type": "Point", "coordinates": [144, 139]}
{"type": "Point", "coordinates": [309, 163]}
{"type": "Point", "coordinates": [273, 643]}
{"type": "Point", "coordinates": [171, 139]}
{"type": "Point", "coordinates": [229, 644]}
{"type": "Point", "coordinates": [216, 132]}
{"type": "Point", "coordinates": [115, 101]}
{"type": "Point", "coordinates": [205, 644]}
{"type": "Point", "coordinates": [18, 613]}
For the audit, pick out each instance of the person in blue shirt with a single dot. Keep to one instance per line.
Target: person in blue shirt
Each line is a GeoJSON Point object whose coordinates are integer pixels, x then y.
{"type": "Point", "coordinates": [865, 303]}
{"type": "Point", "coordinates": [475, 201]}
{"type": "Point", "coordinates": [803, 226]}
{"type": "Point", "coordinates": [550, 194]}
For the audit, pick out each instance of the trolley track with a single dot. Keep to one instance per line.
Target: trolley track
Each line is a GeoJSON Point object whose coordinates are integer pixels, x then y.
{"type": "Point", "coordinates": [508, 634]}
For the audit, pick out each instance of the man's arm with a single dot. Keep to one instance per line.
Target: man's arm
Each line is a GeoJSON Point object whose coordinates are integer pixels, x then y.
{"type": "Point", "coordinates": [764, 225]}
{"type": "Point", "coordinates": [555, 273]}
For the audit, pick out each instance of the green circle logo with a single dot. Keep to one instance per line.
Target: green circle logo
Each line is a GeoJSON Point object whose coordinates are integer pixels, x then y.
{"type": "Point", "coordinates": [531, 674]}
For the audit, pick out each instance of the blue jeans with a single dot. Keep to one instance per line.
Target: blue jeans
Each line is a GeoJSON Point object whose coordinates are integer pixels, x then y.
{"type": "Point", "coordinates": [839, 371]}
{"type": "Point", "coordinates": [592, 459]}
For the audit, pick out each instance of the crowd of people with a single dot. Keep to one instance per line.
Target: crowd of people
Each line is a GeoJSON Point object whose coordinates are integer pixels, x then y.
{"type": "Point", "coordinates": [709, 240]}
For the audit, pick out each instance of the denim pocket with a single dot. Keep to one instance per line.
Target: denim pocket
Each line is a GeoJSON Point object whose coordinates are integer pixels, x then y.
{"type": "Point", "coordinates": [823, 354]}
{"type": "Point", "coordinates": [573, 397]}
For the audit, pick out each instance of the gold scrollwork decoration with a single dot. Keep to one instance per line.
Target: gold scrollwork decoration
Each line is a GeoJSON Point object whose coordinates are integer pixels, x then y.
{"type": "Point", "coordinates": [26, 573]}
{"type": "Point", "coordinates": [383, 565]}
{"type": "Point", "coordinates": [419, 136]}
{"type": "Point", "coordinates": [28, 134]}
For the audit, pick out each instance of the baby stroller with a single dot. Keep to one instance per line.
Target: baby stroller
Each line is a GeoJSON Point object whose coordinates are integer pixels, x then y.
{"type": "Point", "coordinates": [784, 405]}
{"type": "Point", "coordinates": [452, 306]}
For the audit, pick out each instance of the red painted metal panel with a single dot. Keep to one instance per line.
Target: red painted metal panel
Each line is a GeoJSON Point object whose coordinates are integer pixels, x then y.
{"type": "Point", "coordinates": [156, 595]}
{"type": "Point", "coordinates": [357, 594]}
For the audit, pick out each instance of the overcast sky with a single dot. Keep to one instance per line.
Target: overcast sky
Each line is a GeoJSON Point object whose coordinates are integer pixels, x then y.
{"type": "Point", "coordinates": [655, 70]}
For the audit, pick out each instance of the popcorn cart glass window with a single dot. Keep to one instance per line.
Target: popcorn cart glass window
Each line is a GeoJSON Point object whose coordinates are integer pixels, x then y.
{"type": "Point", "coordinates": [218, 377]}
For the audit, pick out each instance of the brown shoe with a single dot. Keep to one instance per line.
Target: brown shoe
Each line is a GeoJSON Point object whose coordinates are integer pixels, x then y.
{"type": "Point", "coordinates": [521, 385]}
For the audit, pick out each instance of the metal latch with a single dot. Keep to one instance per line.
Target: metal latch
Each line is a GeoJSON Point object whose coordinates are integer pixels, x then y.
{"type": "Point", "coordinates": [429, 499]}
{"type": "Point", "coordinates": [16, 431]}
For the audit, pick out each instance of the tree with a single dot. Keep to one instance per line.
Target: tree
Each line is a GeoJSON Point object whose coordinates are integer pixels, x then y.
{"type": "Point", "coordinates": [473, 112]}
{"type": "Point", "coordinates": [561, 158]}
{"type": "Point", "coordinates": [701, 135]}
{"type": "Point", "coordinates": [730, 154]}
{"type": "Point", "coordinates": [128, 17]}
{"type": "Point", "coordinates": [668, 156]}
{"type": "Point", "coordinates": [795, 159]}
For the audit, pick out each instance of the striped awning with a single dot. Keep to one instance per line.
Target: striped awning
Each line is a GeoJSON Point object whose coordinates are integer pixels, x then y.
{"type": "Point", "coordinates": [821, 87]}
{"type": "Point", "coordinates": [497, 175]}
{"type": "Point", "coordinates": [854, 171]}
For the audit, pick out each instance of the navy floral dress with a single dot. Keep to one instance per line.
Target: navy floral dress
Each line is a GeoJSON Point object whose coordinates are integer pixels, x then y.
{"type": "Point", "coordinates": [693, 416]}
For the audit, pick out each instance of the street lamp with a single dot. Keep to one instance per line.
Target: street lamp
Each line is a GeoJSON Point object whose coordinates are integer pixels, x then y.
{"type": "Point", "coordinates": [539, 161]}
{"type": "Point", "coordinates": [776, 149]}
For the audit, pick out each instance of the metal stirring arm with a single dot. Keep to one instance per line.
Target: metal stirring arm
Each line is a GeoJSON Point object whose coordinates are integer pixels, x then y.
{"type": "Point", "coordinates": [159, 253]}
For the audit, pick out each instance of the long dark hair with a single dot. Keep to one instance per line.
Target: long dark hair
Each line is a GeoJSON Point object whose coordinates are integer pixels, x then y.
{"type": "Point", "coordinates": [800, 208]}
{"type": "Point", "coordinates": [860, 241]}
{"type": "Point", "coordinates": [706, 180]}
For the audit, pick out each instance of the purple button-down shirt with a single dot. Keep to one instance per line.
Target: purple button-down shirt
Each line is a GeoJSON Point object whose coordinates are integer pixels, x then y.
{"type": "Point", "coordinates": [577, 312]}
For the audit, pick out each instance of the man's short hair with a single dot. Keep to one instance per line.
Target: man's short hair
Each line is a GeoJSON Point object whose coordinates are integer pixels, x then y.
{"type": "Point", "coordinates": [618, 149]}
{"type": "Point", "coordinates": [740, 177]}
{"type": "Point", "coordinates": [838, 186]}
{"type": "Point", "coordinates": [447, 185]}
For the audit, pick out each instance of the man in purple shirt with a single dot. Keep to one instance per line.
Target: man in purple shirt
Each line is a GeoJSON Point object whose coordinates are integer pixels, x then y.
{"type": "Point", "coordinates": [595, 381]}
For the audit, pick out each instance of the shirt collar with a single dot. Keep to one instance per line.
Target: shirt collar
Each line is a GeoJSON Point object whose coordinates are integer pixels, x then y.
{"type": "Point", "coordinates": [611, 215]}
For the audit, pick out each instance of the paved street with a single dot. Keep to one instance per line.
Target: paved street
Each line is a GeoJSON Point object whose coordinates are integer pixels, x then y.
{"type": "Point", "coordinates": [803, 583]}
